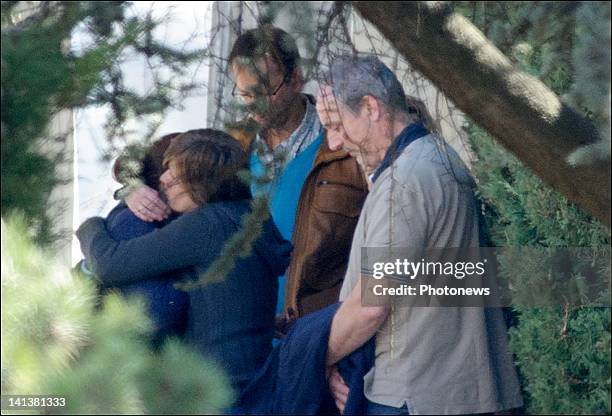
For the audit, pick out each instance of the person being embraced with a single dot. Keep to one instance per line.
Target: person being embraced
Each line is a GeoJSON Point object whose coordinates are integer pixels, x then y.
{"type": "Point", "coordinates": [166, 305]}
{"type": "Point", "coordinates": [231, 321]}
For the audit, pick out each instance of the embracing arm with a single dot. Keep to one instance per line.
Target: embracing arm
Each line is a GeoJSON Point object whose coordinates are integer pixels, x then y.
{"type": "Point", "coordinates": [185, 242]}
{"type": "Point", "coordinates": [145, 203]}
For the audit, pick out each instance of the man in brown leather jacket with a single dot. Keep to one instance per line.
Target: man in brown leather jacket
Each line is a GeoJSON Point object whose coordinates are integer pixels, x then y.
{"type": "Point", "coordinates": [268, 82]}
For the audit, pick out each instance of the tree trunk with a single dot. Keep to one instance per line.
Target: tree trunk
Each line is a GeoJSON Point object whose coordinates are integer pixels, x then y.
{"type": "Point", "coordinates": [514, 107]}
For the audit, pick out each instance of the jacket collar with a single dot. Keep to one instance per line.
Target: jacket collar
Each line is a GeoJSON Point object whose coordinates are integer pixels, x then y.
{"type": "Point", "coordinates": [326, 155]}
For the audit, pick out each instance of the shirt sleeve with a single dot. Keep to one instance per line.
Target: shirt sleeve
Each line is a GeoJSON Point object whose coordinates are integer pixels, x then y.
{"type": "Point", "coordinates": [399, 217]}
{"type": "Point", "coordinates": [396, 226]}
{"type": "Point", "coordinates": [185, 242]}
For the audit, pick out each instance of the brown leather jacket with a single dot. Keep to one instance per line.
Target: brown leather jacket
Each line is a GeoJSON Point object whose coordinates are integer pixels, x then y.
{"type": "Point", "coordinates": [327, 214]}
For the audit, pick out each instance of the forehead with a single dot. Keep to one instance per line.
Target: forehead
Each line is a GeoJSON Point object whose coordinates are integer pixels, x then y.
{"type": "Point", "coordinates": [264, 68]}
{"type": "Point", "coordinates": [346, 113]}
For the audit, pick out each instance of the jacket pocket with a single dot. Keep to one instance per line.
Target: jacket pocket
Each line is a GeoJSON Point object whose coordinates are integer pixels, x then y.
{"type": "Point", "coordinates": [338, 198]}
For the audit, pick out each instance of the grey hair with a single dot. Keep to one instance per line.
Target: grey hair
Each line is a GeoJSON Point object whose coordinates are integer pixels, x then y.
{"type": "Point", "coordinates": [354, 77]}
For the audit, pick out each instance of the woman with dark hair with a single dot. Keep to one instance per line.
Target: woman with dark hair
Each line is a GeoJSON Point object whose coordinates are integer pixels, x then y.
{"type": "Point", "coordinates": [233, 320]}
{"type": "Point", "coordinates": [166, 306]}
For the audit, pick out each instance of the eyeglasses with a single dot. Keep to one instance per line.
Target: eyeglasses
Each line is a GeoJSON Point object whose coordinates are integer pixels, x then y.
{"type": "Point", "coordinates": [249, 97]}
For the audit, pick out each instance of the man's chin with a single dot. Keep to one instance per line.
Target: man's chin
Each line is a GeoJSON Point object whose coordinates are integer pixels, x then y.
{"type": "Point", "coordinates": [269, 122]}
{"type": "Point", "coordinates": [262, 119]}
{"type": "Point", "coordinates": [359, 158]}
{"type": "Point", "coordinates": [258, 119]}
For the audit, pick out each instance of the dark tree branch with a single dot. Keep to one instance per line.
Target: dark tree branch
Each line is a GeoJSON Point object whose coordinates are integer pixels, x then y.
{"type": "Point", "coordinates": [515, 108]}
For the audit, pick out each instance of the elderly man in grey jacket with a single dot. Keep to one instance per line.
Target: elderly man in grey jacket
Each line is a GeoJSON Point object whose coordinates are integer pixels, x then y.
{"type": "Point", "coordinates": [429, 360]}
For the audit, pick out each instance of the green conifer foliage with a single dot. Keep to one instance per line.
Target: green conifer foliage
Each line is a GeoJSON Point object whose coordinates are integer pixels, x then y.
{"type": "Point", "coordinates": [56, 342]}
{"type": "Point", "coordinates": [563, 353]}
{"type": "Point", "coordinates": [42, 75]}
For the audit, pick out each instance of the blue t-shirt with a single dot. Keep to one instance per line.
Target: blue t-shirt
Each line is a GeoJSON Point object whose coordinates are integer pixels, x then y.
{"type": "Point", "coordinates": [285, 191]}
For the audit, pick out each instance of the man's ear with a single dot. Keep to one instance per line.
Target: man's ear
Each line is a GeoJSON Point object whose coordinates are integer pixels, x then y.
{"type": "Point", "coordinates": [372, 107]}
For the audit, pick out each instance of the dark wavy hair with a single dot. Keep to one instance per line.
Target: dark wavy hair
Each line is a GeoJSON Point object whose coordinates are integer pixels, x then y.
{"type": "Point", "coordinates": [267, 40]}
{"type": "Point", "coordinates": [207, 162]}
{"type": "Point", "coordinates": [145, 163]}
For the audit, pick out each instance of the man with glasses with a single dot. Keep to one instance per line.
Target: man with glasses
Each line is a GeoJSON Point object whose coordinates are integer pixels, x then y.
{"type": "Point", "coordinates": [316, 193]}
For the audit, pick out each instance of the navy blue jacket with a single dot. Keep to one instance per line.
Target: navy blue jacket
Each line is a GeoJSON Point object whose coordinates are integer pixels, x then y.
{"type": "Point", "coordinates": [166, 305]}
{"type": "Point", "coordinates": [293, 379]}
{"type": "Point", "coordinates": [230, 321]}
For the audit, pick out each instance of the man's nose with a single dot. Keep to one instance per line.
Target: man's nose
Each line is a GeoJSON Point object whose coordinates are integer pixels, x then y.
{"type": "Point", "coordinates": [335, 140]}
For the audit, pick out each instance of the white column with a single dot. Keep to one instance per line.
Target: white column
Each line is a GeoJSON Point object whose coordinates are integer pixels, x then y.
{"type": "Point", "coordinates": [61, 201]}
